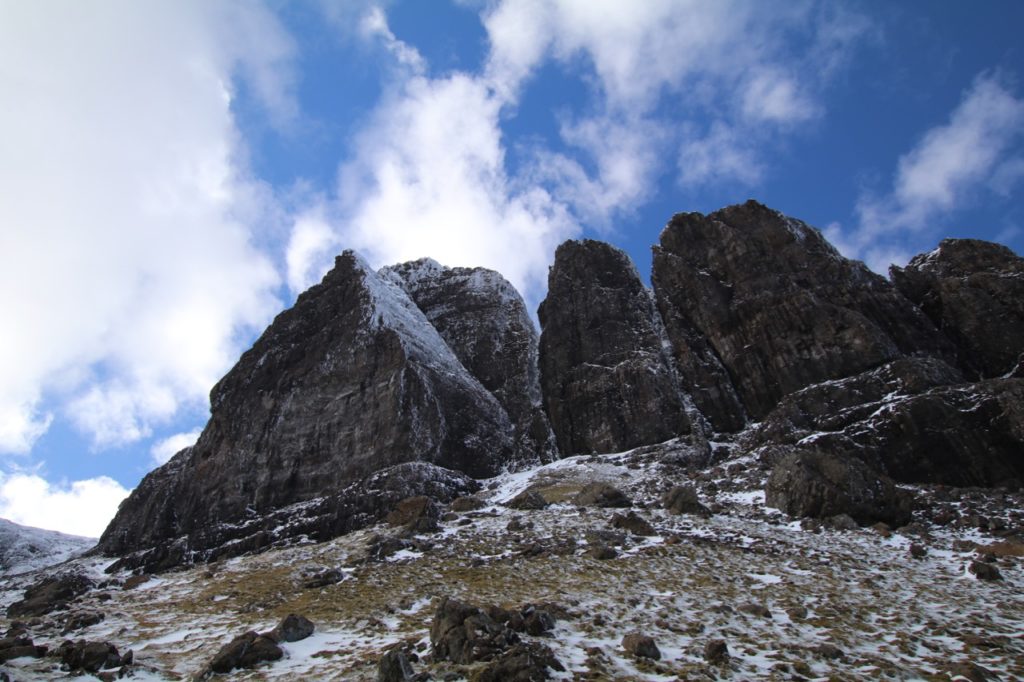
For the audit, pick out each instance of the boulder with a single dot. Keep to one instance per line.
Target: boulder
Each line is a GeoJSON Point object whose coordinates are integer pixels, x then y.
{"type": "Point", "coordinates": [484, 320]}
{"type": "Point", "coordinates": [818, 484]}
{"type": "Point", "coordinates": [351, 380]}
{"type": "Point", "coordinates": [464, 634]}
{"type": "Point", "coordinates": [635, 524]}
{"type": "Point", "coordinates": [682, 499]}
{"type": "Point", "coordinates": [523, 662]}
{"type": "Point", "coordinates": [640, 645]}
{"type": "Point", "coordinates": [50, 594]}
{"type": "Point", "coordinates": [292, 628]}
{"type": "Point", "coordinates": [394, 666]}
{"type": "Point", "coordinates": [779, 308]}
{"type": "Point", "coordinates": [87, 656]}
{"type": "Point", "coordinates": [601, 495]}
{"type": "Point", "coordinates": [974, 292]}
{"type": "Point", "coordinates": [607, 380]}
{"type": "Point", "coordinates": [355, 506]}
{"type": "Point", "coordinates": [248, 650]}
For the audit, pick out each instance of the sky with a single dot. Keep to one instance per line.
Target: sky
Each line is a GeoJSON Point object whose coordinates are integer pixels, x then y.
{"type": "Point", "coordinates": [174, 174]}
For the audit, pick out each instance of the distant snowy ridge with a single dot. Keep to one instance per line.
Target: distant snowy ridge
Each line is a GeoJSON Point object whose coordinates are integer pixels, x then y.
{"type": "Point", "coordinates": [23, 548]}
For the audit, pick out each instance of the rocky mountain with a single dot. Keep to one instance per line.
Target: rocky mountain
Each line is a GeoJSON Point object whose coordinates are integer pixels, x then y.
{"type": "Point", "coordinates": [350, 381]}
{"type": "Point", "coordinates": [756, 332]}
{"type": "Point", "coordinates": [440, 489]}
{"type": "Point", "coordinates": [23, 548]}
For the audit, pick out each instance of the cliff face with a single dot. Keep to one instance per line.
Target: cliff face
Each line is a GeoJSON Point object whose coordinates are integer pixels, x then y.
{"type": "Point", "coordinates": [353, 379]}
{"type": "Point", "coordinates": [417, 379]}
{"type": "Point", "coordinates": [778, 306]}
{"type": "Point", "coordinates": [485, 323]}
{"type": "Point", "coordinates": [974, 292]}
{"type": "Point", "coordinates": [608, 383]}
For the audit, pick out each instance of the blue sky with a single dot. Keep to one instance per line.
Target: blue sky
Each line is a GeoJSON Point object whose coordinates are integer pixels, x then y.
{"type": "Point", "coordinates": [174, 174]}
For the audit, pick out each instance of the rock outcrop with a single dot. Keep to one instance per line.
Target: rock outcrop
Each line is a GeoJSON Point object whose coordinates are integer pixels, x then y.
{"type": "Point", "coordinates": [778, 306]}
{"type": "Point", "coordinates": [351, 380]}
{"type": "Point", "coordinates": [814, 482]}
{"type": "Point", "coordinates": [484, 321]}
{"type": "Point", "coordinates": [607, 381]}
{"type": "Point", "coordinates": [386, 394]}
{"type": "Point", "coordinates": [974, 292]}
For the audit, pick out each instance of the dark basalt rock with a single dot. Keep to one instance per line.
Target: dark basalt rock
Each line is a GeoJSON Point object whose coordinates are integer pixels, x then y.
{"type": "Point", "coordinates": [50, 594]}
{"type": "Point", "coordinates": [779, 307]}
{"type": "Point", "coordinates": [818, 484]}
{"type": "Point", "coordinates": [89, 656]}
{"type": "Point", "coordinates": [524, 662]}
{"type": "Point", "coordinates": [351, 380]}
{"type": "Point", "coordinates": [356, 506]}
{"type": "Point", "coordinates": [248, 650]}
{"type": "Point", "coordinates": [834, 405]}
{"type": "Point", "coordinates": [485, 322]}
{"type": "Point", "coordinates": [974, 292]}
{"type": "Point", "coordinates": [462, 633]}
{"type": "Point", "coordinates": [394, 666]}
{"type": "Point", "coordinates": [962, 435]}
{"type": "Point", "coordinates": [292, 628]}
{"type": "Point", "coordinates": [607, 381]}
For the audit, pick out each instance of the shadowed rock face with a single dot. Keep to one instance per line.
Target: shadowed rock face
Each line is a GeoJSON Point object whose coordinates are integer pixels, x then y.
{"type": "Point", "coordinates": [607, 383]}
{"type": "Point", "coordinates": [974, 292]}
{"type": "Point", "coordinates": [778, 307]}
{"type": "Point", "coordinates": [484, 321]}
{"type": "Point", "coordinates": [351, 380]}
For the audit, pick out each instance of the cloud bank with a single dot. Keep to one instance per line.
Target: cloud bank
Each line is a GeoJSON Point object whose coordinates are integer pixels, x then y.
{"type": "Point", "coordinates": [126, 215]}
{"type": "Point", "coordinates": [80, 508]}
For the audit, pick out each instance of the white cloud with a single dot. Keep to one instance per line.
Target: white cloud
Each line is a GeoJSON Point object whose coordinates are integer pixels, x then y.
{"type": "Point", "coordinates": [771, 95]}
{"type": "Point", "coordinates": [311, 250]}
{"type": "Point", "coordinates": [626, 157]}
{"type": "Point", "coordinates": [952, 165]}
{"type": "Point", "coordinates": [730, 62]}
{"type": "Point", "coordinates": [429, 179]}
{"type": "Point", "coordinates": [952, 159]}
{"type": "Point", "coordinates": [374, 25]}
{"type": "Point", "coordinates": [168, 447]}
{"type": "Point", "coordinates": [129, 267]}
{"type": "Point", "coordinates": [79, 508]}
{"type": "Point", "coordinates": [723, 155]}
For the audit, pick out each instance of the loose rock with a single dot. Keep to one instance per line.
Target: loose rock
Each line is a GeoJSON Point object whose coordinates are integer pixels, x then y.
{"type": "Point", "coordinates": [245, 651]}
{"type": "Point", "coordinates": [601, 495]}
{"type": "Point", "coordinates": [716, 651]}
{"type": "Point", "coordinates": [641, 646]}
{"type": "Point", "coordinates": [635, 524]}
{"type": "Point", "coordinates": [394, 666]}
{"type": "Point", "coordinates": [292, 628]}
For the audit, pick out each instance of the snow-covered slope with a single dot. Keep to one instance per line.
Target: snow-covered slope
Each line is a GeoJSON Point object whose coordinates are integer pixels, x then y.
{"type": "Point", "coordinates": [789, 601]}
{"type": "Point", "coordinates": [23, 548]}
